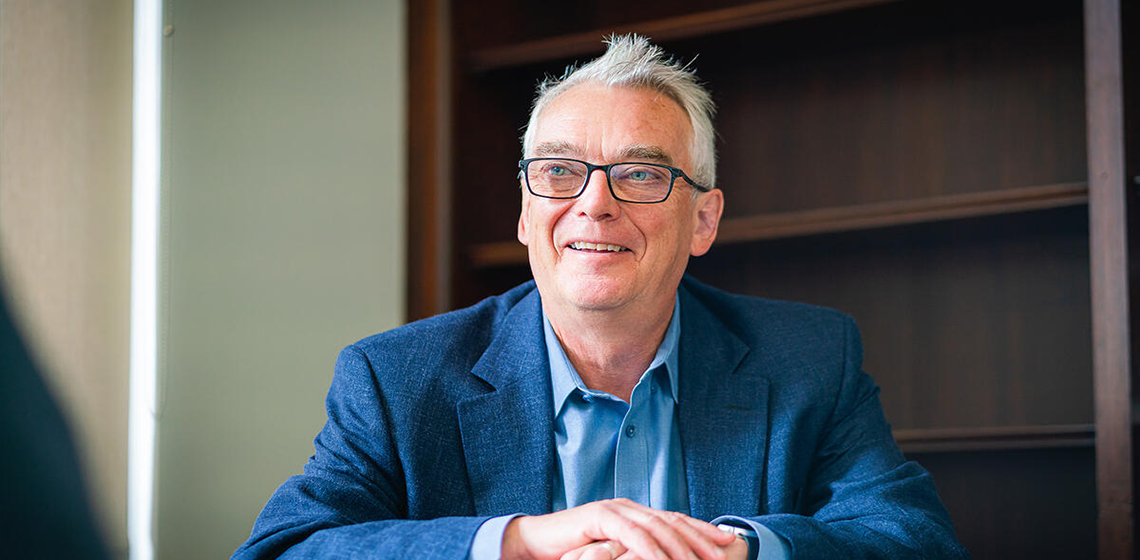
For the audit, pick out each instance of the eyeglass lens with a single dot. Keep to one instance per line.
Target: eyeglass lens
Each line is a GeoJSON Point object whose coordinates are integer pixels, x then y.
{"type": "Point", "coordinates": [635, 182]}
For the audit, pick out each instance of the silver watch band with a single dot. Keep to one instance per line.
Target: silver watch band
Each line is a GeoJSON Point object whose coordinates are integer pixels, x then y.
{"type": "Point", "coordinates": [745, 533]}
{"type": "Point", "coordinates": [738, 530]}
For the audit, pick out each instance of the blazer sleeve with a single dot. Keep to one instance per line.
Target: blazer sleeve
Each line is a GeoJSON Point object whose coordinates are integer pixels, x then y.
{"type": "Point", "coordinates": [862, 498]}
{"type": "Point", "coordinates": [351, 501]}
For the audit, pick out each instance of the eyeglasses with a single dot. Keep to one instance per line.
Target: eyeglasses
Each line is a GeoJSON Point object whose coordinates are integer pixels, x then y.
{"type": "Point", "coordinates": [640, 183]}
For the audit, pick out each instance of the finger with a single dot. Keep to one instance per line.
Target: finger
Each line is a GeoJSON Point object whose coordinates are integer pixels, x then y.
{"type": "Point", "coordinates": [615, 525]}
{"type": "Point", "coordinates": [603, 550]}
{"type": "Point", "coordinates": [597, 550]}
{"type": "Point", "coordinates": [680, 535]}
{"type": "Point", "coordinates": [721, 538]}
{"type": "Point", "coordinates": [702, 538]}
{"type": "Point", "coordinates": [575, 554]}
{"type": "Point", "coordinates": [705, 540]}
{"type": "Point", "coordinates": [662, 528]}
{"type": "Point", "coordinates": [614, 548]}
{"type": "Point", "coordinates": [699, 533]}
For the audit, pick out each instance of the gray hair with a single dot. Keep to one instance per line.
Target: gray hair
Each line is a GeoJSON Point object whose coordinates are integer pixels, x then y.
{"type": "Point", "coordinates": [632, 61]}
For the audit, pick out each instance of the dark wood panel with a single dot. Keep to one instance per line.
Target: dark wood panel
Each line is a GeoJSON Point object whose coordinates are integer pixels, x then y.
{"type": "Point", "coordinates": [1130, 12]}
{"type": "Point", "coordinates": [698, 24]}
{"type": "Point", "coordinates": [493, 24]}
{"type": "Point", "coordinates": [429, 134]}
{"type": "Point", "coordinates": [884, 105]}
{"type": "Point", "coordinates": [486, 188]}
{"type": "Point", "coordinates": [973, 323]}
{"type": "Point", "coordinates": [901, 212]}
{"type": "Point", "coordinates": [489, 128]}
{"type": "Point", "coordinates": [1011, 505]}
{"type": "Point", "coordinates": [945, 440]}
{"type": "Point", "coordinates": [1110, 283]}
{"type": "Point", "coordinates": [942, 104]}
{"type": "Point", "coordinates": [496, 281]}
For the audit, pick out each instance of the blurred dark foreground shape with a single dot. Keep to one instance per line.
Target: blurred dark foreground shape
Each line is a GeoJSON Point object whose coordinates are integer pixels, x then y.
{"type": "Point", "coordinates": [44, 511]}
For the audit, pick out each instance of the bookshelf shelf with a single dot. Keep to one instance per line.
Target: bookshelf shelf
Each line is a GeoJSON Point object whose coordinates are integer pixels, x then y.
{"type": "Point", "coordinates": [666, 29]}
{"type": "Point", "coordinates": [849, 218]}
{"type": "Point", "coordinates": [942, 440]}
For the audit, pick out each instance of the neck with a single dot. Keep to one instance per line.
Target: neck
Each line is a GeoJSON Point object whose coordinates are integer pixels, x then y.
{"type": "Point", "coordinates": [610, 349]}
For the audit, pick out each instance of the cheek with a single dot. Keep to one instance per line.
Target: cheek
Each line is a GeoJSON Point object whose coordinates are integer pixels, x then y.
{"type": "Point", "coordinates": [674, 229]}
{"type": "Point", "coordinates": [544, 218]}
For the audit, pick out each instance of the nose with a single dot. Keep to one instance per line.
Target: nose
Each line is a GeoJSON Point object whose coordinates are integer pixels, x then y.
{"type": "Point", "coordinates": [596, 201]}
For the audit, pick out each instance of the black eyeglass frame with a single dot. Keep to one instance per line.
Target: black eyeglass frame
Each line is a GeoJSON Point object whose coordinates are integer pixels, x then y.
{"type": "Point", "coordinates": [591, 168]}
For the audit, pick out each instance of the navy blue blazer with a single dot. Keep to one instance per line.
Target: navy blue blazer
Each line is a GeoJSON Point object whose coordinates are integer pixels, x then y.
{"type": "Point", "coordinates": [438, 425]}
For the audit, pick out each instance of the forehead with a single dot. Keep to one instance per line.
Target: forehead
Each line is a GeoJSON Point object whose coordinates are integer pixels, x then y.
{"type": "Point", "coordinates": [602, 122]}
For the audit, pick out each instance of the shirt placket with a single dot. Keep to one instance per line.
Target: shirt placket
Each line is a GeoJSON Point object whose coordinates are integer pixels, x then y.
{"type": "Point", "coordinates": [631, 458]}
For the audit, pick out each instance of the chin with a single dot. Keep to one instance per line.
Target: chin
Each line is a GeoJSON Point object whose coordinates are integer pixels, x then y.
{"type": "Point", "coordinates": [595, 293]}
{"type": "Point", "coordinates": [597, 304]}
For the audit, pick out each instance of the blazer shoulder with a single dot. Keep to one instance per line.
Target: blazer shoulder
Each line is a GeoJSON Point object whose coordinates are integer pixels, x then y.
{"type": "Point", "coordinates": [805, 351]}
{"type": "Point", "coordinates": [456, 337]}
{"type": "Point", "coordinates": [750, 317]}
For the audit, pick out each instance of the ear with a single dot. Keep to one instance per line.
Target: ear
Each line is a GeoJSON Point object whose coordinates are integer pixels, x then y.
{"type": "Point", "coordinates": [708, 208]}
{"type": "Point", "coordinates": [524, 217]}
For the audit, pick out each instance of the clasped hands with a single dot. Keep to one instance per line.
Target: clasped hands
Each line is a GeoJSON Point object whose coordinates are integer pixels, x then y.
{"type": "Point", "coordinates": [618, 529]}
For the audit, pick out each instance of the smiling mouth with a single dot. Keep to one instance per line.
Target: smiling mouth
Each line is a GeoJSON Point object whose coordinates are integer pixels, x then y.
{"type": "Point", "coordinates": [597, 247]}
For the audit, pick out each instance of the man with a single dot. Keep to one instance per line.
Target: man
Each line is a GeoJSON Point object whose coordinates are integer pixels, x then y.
{"type": "Point", "coordinates": [613, 407]}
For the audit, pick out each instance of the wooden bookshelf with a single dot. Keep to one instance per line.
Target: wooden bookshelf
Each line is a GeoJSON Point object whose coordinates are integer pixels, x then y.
{"type": "Point", "coordinates": [953, 173]}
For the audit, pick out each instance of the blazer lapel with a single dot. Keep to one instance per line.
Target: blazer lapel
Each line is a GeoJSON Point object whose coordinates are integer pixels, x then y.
{"type": "Point", "coordinates": [723, 416]}
{"type": "Point", "coordinates": [508, 433]}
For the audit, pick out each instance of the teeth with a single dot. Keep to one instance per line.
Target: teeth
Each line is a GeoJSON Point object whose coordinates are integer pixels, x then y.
{"type": "Point", "coordinates": [597, 246]}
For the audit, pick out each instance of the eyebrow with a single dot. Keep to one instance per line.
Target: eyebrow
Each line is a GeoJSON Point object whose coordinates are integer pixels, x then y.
{"type": "Point", "coordinates": [556, 149]}
{"type": "Point", "coordinates": [638, 152]}
{"type": "Point", "coordinates": [646, 153]}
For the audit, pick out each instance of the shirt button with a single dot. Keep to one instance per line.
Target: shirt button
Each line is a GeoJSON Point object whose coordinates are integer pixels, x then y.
{"type": "Point", "coordinates": [630, 431]}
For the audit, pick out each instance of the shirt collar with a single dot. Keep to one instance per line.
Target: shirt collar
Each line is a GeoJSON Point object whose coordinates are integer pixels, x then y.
{"type": "Point", "coordinates": [565, 379]}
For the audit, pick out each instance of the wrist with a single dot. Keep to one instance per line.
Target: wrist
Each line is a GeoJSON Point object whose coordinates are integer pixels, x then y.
{"type": "Point", "coordinates": [747, 543]}
{"type": "Point", "coordinates": [513, 547]}
{"type": "Point", "coordinates": [737, 549]}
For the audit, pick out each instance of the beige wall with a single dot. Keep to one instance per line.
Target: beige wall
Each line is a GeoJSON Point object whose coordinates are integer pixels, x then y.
{"type": "Point", "coordinates": [282, 233]}
{"type": "Point", "coordinates": [65, 192]}
{"type": "Point", "coordinates": [282, 242]}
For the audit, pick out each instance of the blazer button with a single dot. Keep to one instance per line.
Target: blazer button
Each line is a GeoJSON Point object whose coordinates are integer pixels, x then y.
{"type": "Point", "coordinates": [630, 431]}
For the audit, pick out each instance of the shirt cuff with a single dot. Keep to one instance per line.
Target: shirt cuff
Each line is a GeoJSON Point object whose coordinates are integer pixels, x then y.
{"type": "Point", "coordinates": [488, 542]}
{"type": "Point", "coordinates": [772, 546]}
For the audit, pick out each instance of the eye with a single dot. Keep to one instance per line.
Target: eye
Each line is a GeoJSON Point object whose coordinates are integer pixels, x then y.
{"type": "Point", "coordinates": [559, 169]}
{"type": "Point", "coordinates": [635, 173]}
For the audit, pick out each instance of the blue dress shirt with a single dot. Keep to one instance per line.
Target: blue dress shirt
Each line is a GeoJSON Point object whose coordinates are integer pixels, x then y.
{"type": "Point", "coordinates": [608, 448]}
